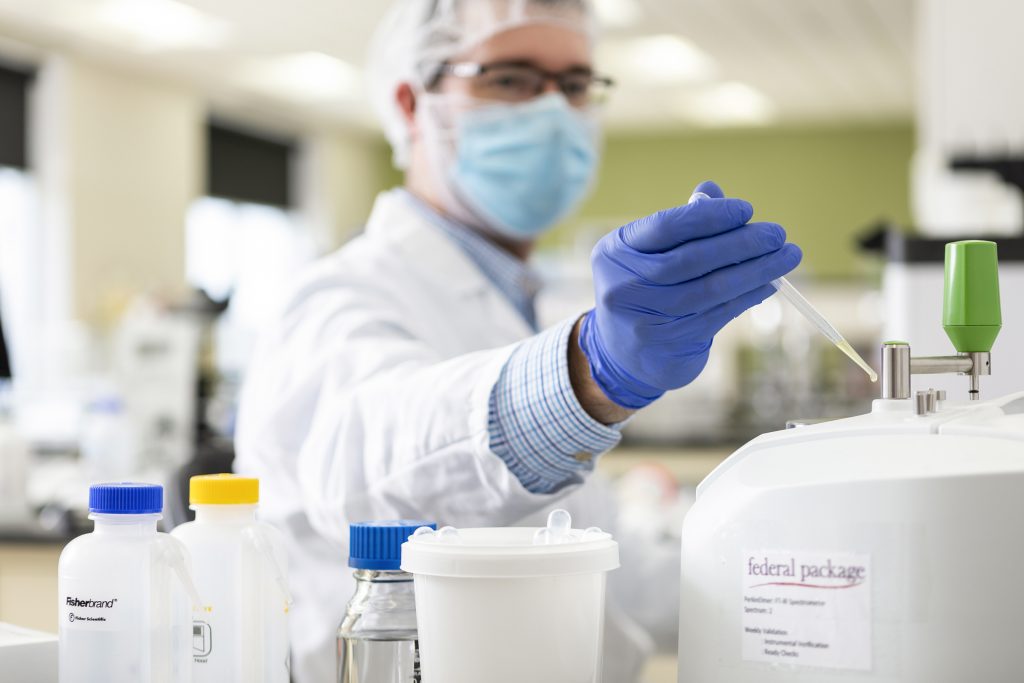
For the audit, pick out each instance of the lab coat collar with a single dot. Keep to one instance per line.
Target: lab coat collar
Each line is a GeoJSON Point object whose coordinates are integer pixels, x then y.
{"type": "Point", "coordinates": [396, 221]}
{"type": "Point", "coordinates": [398, 224]}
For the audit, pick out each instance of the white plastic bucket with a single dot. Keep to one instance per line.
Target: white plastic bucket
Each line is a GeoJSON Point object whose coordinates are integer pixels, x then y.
{"type": "Point", "coordinates": [508, 605]}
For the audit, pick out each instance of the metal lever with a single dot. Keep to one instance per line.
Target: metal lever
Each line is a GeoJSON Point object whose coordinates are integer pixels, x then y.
{"type": "Point", "coordinates": [974, 365]}
{"type": "Point", "coordinates": [898, 365]}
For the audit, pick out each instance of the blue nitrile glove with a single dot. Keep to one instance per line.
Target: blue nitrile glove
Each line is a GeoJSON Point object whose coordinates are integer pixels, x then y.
{"type": "Point", "coordinates": [667, 283]}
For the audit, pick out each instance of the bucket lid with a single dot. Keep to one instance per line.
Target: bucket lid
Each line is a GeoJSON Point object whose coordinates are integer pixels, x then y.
{"type": "Point", "coordinates": [511, 552]}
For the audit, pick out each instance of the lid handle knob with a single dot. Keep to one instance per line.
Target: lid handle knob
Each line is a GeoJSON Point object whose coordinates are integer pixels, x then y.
{"type": "Point", "coordinates": [970, 309]}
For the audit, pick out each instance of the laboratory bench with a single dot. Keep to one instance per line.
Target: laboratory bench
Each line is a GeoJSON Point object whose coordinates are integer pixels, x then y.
{"type": "Point", "coordinates": [28, 558]}
{"type": "Point", "coordinates": [28, 583]}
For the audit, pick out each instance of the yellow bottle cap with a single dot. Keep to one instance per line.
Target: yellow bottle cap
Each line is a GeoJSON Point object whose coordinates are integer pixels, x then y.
{"type": "Point", "coordinates": [223, 489]}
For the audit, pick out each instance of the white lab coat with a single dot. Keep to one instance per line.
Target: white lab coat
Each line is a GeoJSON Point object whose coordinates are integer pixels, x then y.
{"type": "Point", "coordinates": [369, 400]}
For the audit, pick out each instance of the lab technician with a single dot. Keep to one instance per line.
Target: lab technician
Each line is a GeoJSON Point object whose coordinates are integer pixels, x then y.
{"type": "Point", "coordinates": [407, 377]}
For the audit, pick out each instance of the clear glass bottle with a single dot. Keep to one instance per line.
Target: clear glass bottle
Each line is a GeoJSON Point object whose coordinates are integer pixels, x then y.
{"type": "Point", "coordinates": [377, 640]}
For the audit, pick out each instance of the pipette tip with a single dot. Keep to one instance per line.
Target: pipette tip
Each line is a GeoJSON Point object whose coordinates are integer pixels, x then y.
{"type": "Point", "coordinates": [852, 354]}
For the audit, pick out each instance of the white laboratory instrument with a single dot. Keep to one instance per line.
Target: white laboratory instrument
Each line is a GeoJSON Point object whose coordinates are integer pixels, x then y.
{"type": "Point", "coordinates": [514, 604]}
{"type": "Point", "coordinates": [106, 446]}
{"type": "Point", "coordinates": [240, 569]}
{"type": "Point", "coordinates": [875, 548]}
{"type": "Point", "coordinates": [124, 594]}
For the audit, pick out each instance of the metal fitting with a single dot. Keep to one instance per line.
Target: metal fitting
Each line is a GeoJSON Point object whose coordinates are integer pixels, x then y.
{"type": "Point", "coordinates": [895, 370]}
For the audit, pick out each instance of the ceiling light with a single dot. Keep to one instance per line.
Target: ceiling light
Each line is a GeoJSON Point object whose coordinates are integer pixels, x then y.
{"type": "Point", "coordinates": [617, 13]}
{"type": "Point", "coordinates": [306, 77]}
{"type": "Point", "coordinates": [726, 104]}
{"type": "Point", "coordinates": [158, 25]}
{"type": "Point", "coordinates": [656, 60]}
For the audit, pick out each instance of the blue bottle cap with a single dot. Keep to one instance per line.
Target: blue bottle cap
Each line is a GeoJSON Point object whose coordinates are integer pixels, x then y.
{"type": "Point", "coordinates": [126, 498]}
{"type": "Point", "coordinates": [378, 545]}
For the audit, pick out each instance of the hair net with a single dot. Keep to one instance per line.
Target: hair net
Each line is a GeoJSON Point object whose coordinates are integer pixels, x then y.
{"type": "Point", "coordinates": [417, 36]}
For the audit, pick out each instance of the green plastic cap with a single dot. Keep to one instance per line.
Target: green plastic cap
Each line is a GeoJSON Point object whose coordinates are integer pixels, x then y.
{"type": "Point", "coordinates": [970, 306]}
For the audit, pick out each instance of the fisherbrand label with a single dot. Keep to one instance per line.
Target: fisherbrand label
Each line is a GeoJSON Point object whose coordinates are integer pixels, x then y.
{"type": "Point", "coordinates": [98, 604]}
{"type": "Point", "coordinates": [807, 608]}
{"type": "Point", "coordinates": [82, 608]}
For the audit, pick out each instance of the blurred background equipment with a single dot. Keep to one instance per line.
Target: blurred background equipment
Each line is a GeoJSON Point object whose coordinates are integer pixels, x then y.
{"type": "Point", "coordinates": [5, 361]}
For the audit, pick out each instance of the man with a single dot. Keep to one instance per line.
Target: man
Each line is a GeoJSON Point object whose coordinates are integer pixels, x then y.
{"type": "Point", "coordinates": [407, 379]}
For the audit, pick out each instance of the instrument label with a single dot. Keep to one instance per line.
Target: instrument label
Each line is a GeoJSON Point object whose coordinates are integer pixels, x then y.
{"type": "Point", "coordinates": [807, 608]}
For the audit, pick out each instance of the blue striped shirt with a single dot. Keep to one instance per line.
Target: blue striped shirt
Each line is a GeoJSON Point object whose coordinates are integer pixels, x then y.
{"type": "Point", "coordinates": [536, 424]}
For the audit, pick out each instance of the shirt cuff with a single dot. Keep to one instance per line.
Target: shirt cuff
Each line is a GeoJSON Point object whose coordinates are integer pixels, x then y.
{"type": "Point", "coordinates": [536, 424]}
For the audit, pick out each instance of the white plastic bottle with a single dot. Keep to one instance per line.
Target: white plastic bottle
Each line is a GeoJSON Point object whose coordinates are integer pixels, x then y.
{"type": "Point", "coordinates": [105, 443]}
{"type": "Point", "coordinates": [240, 568]}
{"type": "Point", "coordinates": [125, 593]}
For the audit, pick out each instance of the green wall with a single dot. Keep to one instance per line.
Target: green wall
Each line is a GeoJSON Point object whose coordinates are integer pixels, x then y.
{"type": "Point", "coordinates": [823, 184]}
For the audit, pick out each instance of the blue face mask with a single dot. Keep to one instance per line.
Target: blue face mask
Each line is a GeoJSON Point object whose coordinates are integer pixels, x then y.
{"type": "Point", "coordinates": [523, 167]}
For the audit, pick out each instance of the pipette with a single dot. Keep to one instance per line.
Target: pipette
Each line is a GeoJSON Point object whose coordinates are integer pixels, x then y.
{"type": "Point", "coordinates": [824, 326]}
{"type": "Point", "coordinates": [791, 294]}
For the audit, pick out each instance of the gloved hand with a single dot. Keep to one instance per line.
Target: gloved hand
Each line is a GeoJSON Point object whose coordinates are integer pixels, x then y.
{"type": "Point", "coordinates": [667, 283]}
